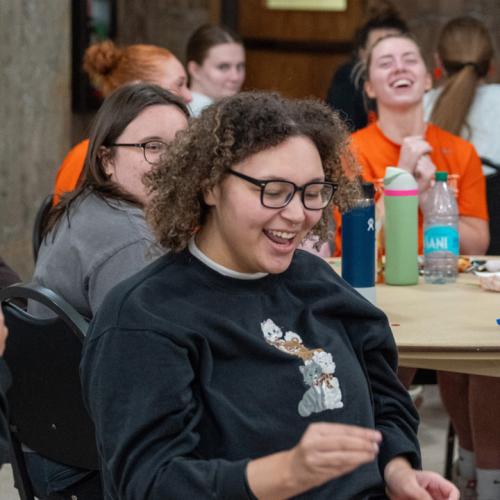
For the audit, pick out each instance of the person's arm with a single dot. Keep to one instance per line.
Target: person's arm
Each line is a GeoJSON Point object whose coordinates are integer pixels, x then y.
{"type": "Point", "coordinates": [473, 224]}
{"type": "Point", "coordinates": [414, 158]}
{"type": "Point", "coordinates": [474, 235]}
{"type": "Point", "coordinates": [397, 419]}
{"type": "Point", "coordinates": [326, 451]}
{"type": "Point", "coordinates": [137, 386]}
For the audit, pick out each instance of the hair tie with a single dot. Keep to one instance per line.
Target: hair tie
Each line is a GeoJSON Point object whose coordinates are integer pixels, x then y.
{"type": "Point", "coordinates": [480, 68]}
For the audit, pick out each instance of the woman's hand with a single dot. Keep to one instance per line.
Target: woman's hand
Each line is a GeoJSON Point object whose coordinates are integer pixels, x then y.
{"type": "Point", "coordinates": [325, 451]}
{"type": "Point", "coordinates": [424, 172]}
{"type": "Point", "coordinates": [424, 175]}
{"type": "Point", "coordinates": [405, 483]}
{"type": "Point", "coordinates": [412, 149]}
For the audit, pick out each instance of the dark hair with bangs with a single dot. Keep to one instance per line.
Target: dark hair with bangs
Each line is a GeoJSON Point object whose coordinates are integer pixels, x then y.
{"type": "Point", "coordinates": [229, 132]}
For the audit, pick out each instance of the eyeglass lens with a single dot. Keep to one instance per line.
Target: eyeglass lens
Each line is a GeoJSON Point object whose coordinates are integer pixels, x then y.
{"type": "Point", "coordinates": [316, 196]}
{"type": "Point", "coordinates": [153, 151]}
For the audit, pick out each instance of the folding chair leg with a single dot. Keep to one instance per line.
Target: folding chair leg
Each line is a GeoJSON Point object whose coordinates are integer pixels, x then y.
{"type": "Point", "coordinates": [450, 448]}
{"type": "Point", "coordinates": [21, 477]}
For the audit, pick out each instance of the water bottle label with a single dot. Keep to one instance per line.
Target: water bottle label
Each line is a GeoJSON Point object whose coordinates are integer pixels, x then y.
{"type": "Point", "coordinates": [441, 239]}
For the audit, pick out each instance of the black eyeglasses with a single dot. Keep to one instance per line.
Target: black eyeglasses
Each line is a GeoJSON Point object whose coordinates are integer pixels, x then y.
{"type": "Point", "coordinates": [278, 194]}
{"type": "Point", "coordinates": [153, 150]}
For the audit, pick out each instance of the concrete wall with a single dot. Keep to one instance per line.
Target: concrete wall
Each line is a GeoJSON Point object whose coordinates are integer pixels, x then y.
{"type": "Point", "coordinates": [426, 17]}
{"type": "Point", "coordinates": [35, 115]}
{"type": "Point", "coordinates": [167, 23]}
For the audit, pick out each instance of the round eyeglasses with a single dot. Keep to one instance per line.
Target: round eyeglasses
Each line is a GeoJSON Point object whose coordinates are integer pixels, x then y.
{"type": "Point", "coordinates": [153, 150]}
{"type": "Point", "coordinates": [278, 194]}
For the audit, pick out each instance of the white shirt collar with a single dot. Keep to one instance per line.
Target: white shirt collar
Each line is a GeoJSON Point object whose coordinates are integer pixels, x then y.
{"type": "Point", "coordinates": [225, 271]}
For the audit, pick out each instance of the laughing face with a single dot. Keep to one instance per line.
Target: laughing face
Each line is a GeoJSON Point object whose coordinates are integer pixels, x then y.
{"type": "Point", "coordinates": [245, 236]}
{"type": "Point", "coordinates": [397, 76]}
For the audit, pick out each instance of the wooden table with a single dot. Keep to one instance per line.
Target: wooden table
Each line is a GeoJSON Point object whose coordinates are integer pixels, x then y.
{"type": "Point", "coordinates": [444, 327]}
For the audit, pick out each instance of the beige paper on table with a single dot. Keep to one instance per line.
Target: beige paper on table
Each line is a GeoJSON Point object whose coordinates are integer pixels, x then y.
{"type": "Point", "coordinates": [334, 5]}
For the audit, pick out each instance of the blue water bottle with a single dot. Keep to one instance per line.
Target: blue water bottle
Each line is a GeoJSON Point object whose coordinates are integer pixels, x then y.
{"type": "Point", "coordinates": [358, 244]}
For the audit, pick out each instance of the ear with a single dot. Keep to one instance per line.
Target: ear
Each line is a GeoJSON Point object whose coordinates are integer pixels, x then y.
{"type": "Point", "coordinates": [193, 69]}
{"type": "Point", "coordinates": [106, 158]}
{"type": "Point", "coordinates": [428, 81]}
{"type": "Point", "coordinates": [369, 90]}
{"type": "Point", "coordinates": [211, 195]}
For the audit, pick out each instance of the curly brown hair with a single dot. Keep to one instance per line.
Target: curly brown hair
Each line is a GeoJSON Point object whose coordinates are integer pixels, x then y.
{"type": "Point", "coordinates": [225, 134]}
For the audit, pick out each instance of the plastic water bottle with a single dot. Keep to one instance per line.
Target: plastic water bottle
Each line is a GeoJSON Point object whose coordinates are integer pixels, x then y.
{"type": "Point", "coordinates": [441, 239]}
{"type": "Point", "coordinates": [358, 244]}
{"type": "Point", "coordinates": [400, 227]}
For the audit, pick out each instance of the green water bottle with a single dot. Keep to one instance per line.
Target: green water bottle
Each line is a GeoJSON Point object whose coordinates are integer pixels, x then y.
{"type": "Point", "coordinates": [400, 227]}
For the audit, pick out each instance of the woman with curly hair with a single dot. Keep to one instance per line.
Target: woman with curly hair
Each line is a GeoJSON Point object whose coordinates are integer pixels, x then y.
{"type": "Point", "coordinates": [238, 366]}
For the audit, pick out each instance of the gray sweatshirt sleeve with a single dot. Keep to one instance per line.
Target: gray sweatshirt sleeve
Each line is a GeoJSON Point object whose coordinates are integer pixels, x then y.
{"type": "Point", "coordinates": [137, 386]}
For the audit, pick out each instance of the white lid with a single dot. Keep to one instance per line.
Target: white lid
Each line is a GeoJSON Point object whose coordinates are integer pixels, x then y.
{"type": "Point", "coordinates": [397, 178]}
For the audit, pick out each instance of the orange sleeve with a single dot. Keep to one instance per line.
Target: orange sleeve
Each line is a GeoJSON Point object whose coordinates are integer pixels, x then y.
{"type": "Point", "coordinates": [70, 170]}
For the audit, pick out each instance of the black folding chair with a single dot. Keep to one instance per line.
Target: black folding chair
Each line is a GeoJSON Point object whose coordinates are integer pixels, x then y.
{"type": "Point", "coordinates": [46, 411]}
{"type": "Point", "coordinates": [493, 198]}
{"type": "Point", "coordinates": [39, 224]}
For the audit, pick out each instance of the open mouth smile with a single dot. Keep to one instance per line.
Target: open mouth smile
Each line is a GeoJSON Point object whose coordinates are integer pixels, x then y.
{"type": "Point", "coordinates": [280, 237]}
{"type": "Point", "coordinates": [401, 83]}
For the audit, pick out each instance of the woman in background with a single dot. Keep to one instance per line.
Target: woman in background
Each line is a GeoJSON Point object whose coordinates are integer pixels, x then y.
{"type": "Point", "coordinates": [465, 104]}
{"type": "Point", "coordinates": [97, 235]}
{"type": "Point", "coordinates": [108, 67]}
{"type": "Point", "coordinates": [215, 60]}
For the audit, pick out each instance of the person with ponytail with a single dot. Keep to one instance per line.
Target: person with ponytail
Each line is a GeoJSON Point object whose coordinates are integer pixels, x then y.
{"type": "Point", "coordinates": [109, 67]}
{"type": "Point", "coordinates": [464, 104]}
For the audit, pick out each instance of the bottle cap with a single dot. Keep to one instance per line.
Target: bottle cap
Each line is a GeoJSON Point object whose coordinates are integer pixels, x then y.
{"type": "Point", "coordinates": [397, 179]}
{"type": "Point", "coordinates": [368, 189]}
{"type": "Point", "coordinates": [441, 176]}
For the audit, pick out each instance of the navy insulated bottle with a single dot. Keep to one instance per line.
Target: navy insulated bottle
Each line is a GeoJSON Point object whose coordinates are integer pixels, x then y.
{"type": "Point", "coordinates": [358, 244]}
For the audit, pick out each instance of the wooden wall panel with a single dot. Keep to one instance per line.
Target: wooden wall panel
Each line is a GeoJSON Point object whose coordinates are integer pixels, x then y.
{"type": "Point", "coordinates": [257, 21]}
{"type": "Point", "coordinates": [293, 74]}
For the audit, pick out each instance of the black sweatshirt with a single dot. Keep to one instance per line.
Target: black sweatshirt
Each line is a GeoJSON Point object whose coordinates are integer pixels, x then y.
{"type": "Point", "coordinates": [189, 374]}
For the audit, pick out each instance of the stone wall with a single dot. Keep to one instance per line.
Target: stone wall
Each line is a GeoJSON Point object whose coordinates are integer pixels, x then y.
{"type": "Point", "coordinates": [426, 17]}
{"type": "Point", "coordinates": [35, 111]}
{"type": "Point", "coordinates": [167, 23]}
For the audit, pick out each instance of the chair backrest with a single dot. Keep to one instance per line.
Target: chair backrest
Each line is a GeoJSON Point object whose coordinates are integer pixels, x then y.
{"type": "Point", "coordinates": [38, 226]}
{"type": "Point", "coordinates": [493, 197]}
{"type": "Point", "coordinates": [46, 407]}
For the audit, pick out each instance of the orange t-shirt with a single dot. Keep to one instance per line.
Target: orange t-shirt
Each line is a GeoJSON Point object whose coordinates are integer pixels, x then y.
{"type": "Point", "coordinates": [70, 170]}
{"type": "Point", "coordinates": [375, 152]}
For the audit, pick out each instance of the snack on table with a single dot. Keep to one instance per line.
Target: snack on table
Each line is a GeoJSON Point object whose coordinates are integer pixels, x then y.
{"type": "Point", "coordinates": [463, 263]}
